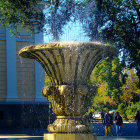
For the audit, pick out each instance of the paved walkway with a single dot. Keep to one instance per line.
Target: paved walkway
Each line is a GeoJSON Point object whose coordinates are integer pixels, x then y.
{"type": "Point", "coordinates": [129, 132]}
{"type": "Point", "coordinates": [118, 138]}
{"type": "Point", "coordinates": [129, 129]}
{"type": "Point", "coordinates": [26, 137]}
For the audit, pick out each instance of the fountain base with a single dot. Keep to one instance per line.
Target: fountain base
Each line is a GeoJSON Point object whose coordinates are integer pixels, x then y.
{"type": "Point", "coordinates": [69, 124]}
{"type": "Point", "coordinates": [64, 136]}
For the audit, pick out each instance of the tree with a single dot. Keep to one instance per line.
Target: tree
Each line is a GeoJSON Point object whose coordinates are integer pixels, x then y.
{"type": "Point", "coordinates": [103, 76]}
{"type": "Point", "coordinates": [121, 28]}
{"type": "Point", "coordinates": [131, 111]}
{"type": "Point", "coordinates": [102, 101]}
{"type": "Point", "coordinates": [131, 92]}
{"type": "Point", "coordinates": [57, 16]}
{"type": "Point", "coordinates": [122, 110]}
{"type": "Point", "coordinates": [130, 103]}
{"type": "Point", "coordinates": [28, 13]}
{"type": "Point", "coordinates": [90, 14]}
{"type": "Point", "coordinates": [116, 22]}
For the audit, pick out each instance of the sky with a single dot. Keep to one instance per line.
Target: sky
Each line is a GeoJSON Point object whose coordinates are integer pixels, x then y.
{"type": "Point", "coordinates": [71, 32]}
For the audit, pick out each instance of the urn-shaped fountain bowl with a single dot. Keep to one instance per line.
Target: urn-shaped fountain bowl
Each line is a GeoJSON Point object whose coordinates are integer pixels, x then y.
{"type": "Point", "coordinates": [69, 66]}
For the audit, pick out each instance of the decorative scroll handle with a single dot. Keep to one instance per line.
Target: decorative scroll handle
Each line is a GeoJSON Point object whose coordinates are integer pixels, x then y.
{"type": "Point", "coordinates": [71, 102]}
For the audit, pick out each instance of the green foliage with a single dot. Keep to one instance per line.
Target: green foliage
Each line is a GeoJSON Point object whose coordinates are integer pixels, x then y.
{"type": "Point", "coordinates": [138, 105]}
{"type": "Point", "coordinates": [113, 92]}
{"type": "Point", "coordinates": [99, 107]}
{"type": "Point", "coordinates": [130, 103]}
{"type": "Point", "coordinates": [116, 22]}
{"type": "Point", "coordinates": [109, 94]}
{"type": "Point", "coordinates": [122, 110]}
{"type": "Point", "coordinates": [26, 13]}
{"type": "Point", "coordinates": [105, 73]}
{"type": "Point", "coordinates": [131, 91]}
{"type": "Point", "coordinates": [30, 14]}
{"type": "Point", "coordinates": [131, 111]}
{"type": "Point", "coordinates": [122, 30]}
{"type": "Point", "coordinates": [128, 112]}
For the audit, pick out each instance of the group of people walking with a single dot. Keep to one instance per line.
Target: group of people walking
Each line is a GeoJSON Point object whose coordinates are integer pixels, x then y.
{"type": "Point", "coordinates": [107, 120]}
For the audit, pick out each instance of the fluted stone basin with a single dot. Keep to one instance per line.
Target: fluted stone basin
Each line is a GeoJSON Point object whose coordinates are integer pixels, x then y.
{"type": "Point", "coordinates": [69, 66]}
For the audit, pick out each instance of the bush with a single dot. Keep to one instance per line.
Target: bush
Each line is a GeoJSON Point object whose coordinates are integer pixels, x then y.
{"type": "Point", "coordinates": [131, 111]}
{"type": "Point", "coordinates": [128, 113]}
{"type": "Point", "coordinates": [122, 110]}
{"type": "Point", "coordinates": [138, 106]}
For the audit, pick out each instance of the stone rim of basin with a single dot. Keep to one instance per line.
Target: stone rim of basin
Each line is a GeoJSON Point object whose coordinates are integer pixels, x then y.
{"type": "Point", "coordinates": [65, 45]}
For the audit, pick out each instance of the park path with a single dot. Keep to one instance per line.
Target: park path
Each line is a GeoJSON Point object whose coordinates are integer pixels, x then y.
{"type": "Point", "coordinates": [119, 138]}
{"type": "Point", "coordinates": [129, 129]}
{"type": "Point", "coordinates": [129, 132]}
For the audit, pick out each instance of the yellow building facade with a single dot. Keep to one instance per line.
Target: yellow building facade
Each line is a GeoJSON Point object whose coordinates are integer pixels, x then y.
{"type": "Point", "coordinates": [18, 76]}
{"type": "Point", "coordinates": [21, 82]}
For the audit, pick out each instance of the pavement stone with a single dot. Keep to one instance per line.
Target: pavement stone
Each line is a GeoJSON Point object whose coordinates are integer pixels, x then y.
{"type": "Point", "coordinates": [129, 129]}
{"type": "Point", "coordinates": [129, 132]}
{"type": "Point", "coordinates": [118, 138]}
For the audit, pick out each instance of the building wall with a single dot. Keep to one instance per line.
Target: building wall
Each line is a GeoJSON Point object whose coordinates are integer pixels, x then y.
{"type": "Point", "coordinates": [21, 79]}
{"type": "Point", "coordinates": [22, 116]}
{"type": "Point", "coordinates": [3, 78]}
{"type": "Point", "coordinates": [25, 74]}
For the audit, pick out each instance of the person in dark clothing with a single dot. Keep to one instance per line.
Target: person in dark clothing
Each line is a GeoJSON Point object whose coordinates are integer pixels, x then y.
{"type": "Point", "coordinates": [119, 123]}
{"type": "Point", "coordinates": [91, 116]}
{"type": "Point", "coordinates": [108, 121]}
{"type": "Point", "coordinates": [137, 118]}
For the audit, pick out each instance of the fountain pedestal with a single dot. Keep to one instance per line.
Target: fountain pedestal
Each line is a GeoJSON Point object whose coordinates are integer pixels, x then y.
{"type": "Point", "coordinates": [62, 136]}
{"type": "Point", "coordinates": [69, 103]}
{"type": "Point", "coordinates": [69, 66]}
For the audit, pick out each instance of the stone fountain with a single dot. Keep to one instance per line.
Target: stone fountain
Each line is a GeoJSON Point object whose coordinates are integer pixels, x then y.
{"type": "Point", "coordinates": [69, 66]}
